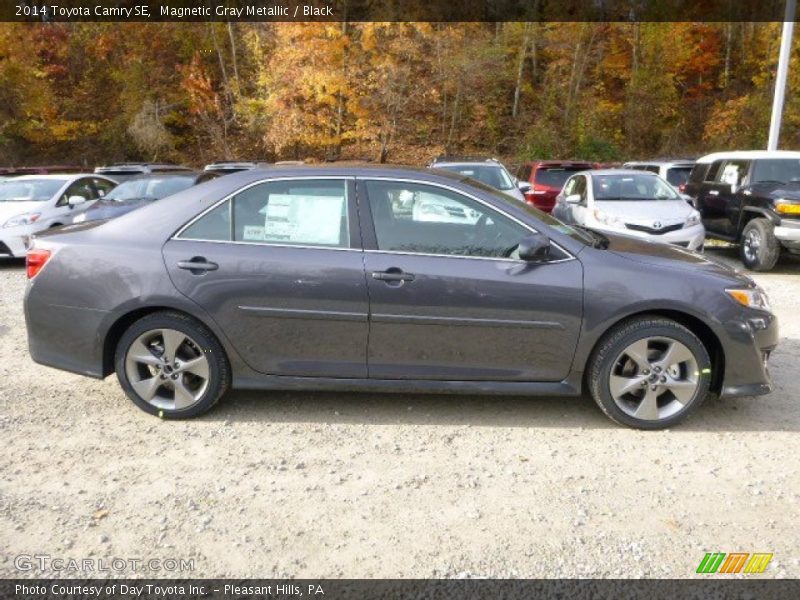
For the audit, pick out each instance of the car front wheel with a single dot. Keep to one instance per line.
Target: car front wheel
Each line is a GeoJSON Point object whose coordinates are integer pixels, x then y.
{"type": "Point", "coordinates": [649, 373]}
{"type": "Point", "coordinates": [759, 248]}
{"type": "Point", "coordinates": [172, 366]}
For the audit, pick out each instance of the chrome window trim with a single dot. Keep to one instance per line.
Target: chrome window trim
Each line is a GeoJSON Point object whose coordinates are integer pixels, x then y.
{"type": "Point", "coordinates": [176, 236]}
{"type": "Point", "coordinates": [570, 256]}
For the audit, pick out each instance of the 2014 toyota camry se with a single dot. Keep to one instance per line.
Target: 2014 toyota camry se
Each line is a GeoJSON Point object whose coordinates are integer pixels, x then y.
{"type": "Point", "coordinates": [325, 278]}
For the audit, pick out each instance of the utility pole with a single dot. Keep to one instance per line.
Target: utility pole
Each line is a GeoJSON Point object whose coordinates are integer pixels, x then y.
{"type": "Point", "coordinates": [780, 78]}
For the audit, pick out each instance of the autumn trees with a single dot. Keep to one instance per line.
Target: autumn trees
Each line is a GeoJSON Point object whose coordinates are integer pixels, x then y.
{"type": "Point", "coordinates": [398, 92]}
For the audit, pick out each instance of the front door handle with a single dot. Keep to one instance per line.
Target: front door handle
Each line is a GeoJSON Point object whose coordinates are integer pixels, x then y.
{"type": "Point", "coordinates": [197, 265]}
{"type": "Point", "coordinates": [392, 275]}
{"type": "Point", "coordinates": [713, 192]}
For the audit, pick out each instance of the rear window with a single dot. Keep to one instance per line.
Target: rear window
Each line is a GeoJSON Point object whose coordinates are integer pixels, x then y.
{"type": "Point", "coordinates": [555, 176]}
{"type": "Point", "coordinates": [678, 175]}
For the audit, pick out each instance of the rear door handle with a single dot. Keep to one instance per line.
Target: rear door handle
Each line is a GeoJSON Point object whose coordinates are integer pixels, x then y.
{"type": "Point", "coordinates": [197, 265]}
{"type": "Point", "coordinates": [713, 192]}
{"type": "Point", "coordinates": [392, 274]}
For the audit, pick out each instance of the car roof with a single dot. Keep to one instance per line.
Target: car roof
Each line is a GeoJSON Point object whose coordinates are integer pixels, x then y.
{"type": "Point", "coordinates": [677, 162]}
{"type": "Point", "coordinates": [748, 155]}
{"type": "Point", "coordinates": [622, 171]}
{"type": "Point", "coordinates": [63, 176]}
{"type": "Point", "coordinates": [557, 163]}
{"type": "Point", "coordinates": [163, 174]}
{"type": "Point", "coordinates": [467, 163]}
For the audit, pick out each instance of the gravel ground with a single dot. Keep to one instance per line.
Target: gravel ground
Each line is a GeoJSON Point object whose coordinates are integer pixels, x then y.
{"type": "Point", "coordinates": [359, 485]}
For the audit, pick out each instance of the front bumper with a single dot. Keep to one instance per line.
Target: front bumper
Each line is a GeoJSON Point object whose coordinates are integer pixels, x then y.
{"type": "Point", "coordinates": [14, 240]}
{"type": "Point", "coordinates": [788, 233]}
{"type": "Point", "coordinates": [748, 343]}
{"type": "Point", "coordinates": [691, 238]}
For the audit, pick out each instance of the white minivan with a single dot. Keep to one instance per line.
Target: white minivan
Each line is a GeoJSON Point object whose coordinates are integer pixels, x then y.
{"type": "Point", "coordinates": [33, 203]}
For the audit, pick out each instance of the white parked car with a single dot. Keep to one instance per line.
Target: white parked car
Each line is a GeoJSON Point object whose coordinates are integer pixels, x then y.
{"type": "Point", "coordinates": [633, 203]}
{"type": "Point", "coordinates": [33, 203]}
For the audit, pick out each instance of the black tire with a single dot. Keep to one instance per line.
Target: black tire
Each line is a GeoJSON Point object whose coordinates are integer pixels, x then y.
{"type": "Point", "coordinates": [219, 370]}
{"type": "Point", "coordinates": [765, 256]}
{"type": "Point", "coordinates": [614, 343]}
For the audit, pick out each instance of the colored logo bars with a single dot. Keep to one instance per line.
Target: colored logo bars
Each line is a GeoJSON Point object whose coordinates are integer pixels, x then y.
{"type": "Point", "coordinates": [736, 562]}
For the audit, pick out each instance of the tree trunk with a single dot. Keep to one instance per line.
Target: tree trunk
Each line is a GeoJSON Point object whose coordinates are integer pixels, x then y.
{"type": "Point", "coordinates": [232, 39]}
{"type": "Point", "coordinates": [523, 50]}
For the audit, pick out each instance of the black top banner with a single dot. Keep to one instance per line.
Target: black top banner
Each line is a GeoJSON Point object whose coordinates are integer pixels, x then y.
{"type": "Point", "coordinates": [392, 10]}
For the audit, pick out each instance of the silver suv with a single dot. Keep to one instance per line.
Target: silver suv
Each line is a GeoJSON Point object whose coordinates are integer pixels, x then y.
{"type": "Point", "coordinates": [489, 171]}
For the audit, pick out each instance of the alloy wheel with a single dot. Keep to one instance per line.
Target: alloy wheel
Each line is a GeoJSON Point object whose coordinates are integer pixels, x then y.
{"type": "Point", "coordinates": [654, 378]}
{"type": "Point", "coordinates": [167, 368]}
{"type": "Point", "coordinates": [752, 244]}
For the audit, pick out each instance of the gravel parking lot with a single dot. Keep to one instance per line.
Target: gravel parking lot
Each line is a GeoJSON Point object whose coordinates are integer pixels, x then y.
{"type": "Point", "coordinates": [358, 485]}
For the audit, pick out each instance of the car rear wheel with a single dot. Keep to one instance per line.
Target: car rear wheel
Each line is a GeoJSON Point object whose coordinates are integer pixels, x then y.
{"type": "Point", "coordinates": [759, 248]}
{"type": "Point", "coordinates": [649, 373]}
{"type": "Point", "coordinates": [172, 366]}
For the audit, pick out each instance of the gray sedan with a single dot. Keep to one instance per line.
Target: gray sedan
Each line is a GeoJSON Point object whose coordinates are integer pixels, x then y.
{"type": "Point", "coordinates": [316, 278]}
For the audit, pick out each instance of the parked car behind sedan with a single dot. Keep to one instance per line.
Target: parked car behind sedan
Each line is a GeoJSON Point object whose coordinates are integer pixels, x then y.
{"type": "Point", "coordinates": [634, 203]}
{"type": "Point", "coordinates": [675, 171]}
{"type": "Point", "coordinates": [308, 278]}
{"type": "Point", "coordinates": [750, 198]}
{"type": "Point", "coordinates": [488, 171]}
{"type": "Point", "coordinates": [122, 171]}
{"type": "Point", "coordinates": [139, 191]}
{"type": "Point", "coordinates": [546, 178]}
{"type": "Point", "coordinates": [33, 203]}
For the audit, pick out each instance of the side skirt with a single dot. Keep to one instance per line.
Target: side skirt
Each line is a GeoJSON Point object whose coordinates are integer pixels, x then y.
{"type": "Point", "coordinates": [569, 387]}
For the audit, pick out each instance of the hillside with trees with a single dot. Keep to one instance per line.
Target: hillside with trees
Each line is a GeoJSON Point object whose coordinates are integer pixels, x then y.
{"type": "Point", "coordinates": [90, 93]}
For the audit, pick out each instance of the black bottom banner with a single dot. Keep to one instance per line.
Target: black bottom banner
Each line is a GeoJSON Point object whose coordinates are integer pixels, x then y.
{"type": "Point", "coordinates": [358, 589]}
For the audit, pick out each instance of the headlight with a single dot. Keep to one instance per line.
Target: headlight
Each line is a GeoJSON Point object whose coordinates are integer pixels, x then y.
{"type": "Point", "coordinates": [693, 219]}
{"type": "Point", "coordinates": [787, 208]}
{"type": "Point", "coordinates": [607, 219]}
{"type": "Point", "coordinates": [79, 218]}
{"type": "Point", "coordinates": [23, 219]}
{"type": "Point", "coordinates": [750, 297]}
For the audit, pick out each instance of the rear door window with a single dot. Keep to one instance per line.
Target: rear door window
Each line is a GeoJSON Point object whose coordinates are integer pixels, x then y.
{"type": "Point", "coordinates": [291, 212]}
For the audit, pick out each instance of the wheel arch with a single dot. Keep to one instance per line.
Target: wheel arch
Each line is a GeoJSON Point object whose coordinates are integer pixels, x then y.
{"type": "Point", "coordinates": [118, 328]}
{"type": "Point", "coordinates": [694, 324]}
{"type": "Point", "coordinates": [754, 212]}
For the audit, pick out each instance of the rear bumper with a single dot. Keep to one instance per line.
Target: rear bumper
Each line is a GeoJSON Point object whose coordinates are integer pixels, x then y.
{"type": "Point", "coordinates": [65, 337]}
{"type": "Point", "coordinates": [748, 344]}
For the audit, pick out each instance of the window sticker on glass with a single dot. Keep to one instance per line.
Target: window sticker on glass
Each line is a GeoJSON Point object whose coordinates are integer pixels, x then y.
{"type": "Point", "coordinates": [303, 219]}
{"type": "Point", "coordinates": [253, 233]}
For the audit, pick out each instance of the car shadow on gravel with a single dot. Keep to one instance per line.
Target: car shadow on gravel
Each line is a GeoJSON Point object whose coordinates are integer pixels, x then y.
{"type": "Point", "coordinates": [769, 413]}
{"type": "Point", "coordinates": [788, 264]}
{"type": "Point", "coordinates": [12, 264]}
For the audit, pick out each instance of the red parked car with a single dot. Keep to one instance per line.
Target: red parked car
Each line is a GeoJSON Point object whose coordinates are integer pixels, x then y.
{"type": "Point", "coordinates": [547, 177]}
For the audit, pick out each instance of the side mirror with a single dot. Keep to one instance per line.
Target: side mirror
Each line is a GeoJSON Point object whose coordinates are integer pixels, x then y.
{"type": "Point", "coordinates": [573, 199]}
{"type": "Point", "coordinates": [534, 248]}
{"type": "Point", "coordinates": [524, 186]}
{"type": "Point", "coordinates": [75, 200]}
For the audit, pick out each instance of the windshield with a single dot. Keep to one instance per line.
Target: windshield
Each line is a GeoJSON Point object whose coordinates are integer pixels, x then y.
{"type": "Point", "coordinates": [151, 188]}
{"type": "Point", "coordinates": [780, 170]}
{"type": "Point", "coordinates": [495, 176]}
{"type": "Point", "coordinates": [632, 187]}
{"type": "Point", "coordinates": [555, 177]}
{"type": "Point", "coordinates": [678, 175]}
{"type": "Point", "coordinates": [29, 190]}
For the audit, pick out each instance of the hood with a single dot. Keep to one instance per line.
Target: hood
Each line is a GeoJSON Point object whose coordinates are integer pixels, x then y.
{"type": "Point", "coordinates": [12, 209]}
{"type": "Point", "coordinates": [790, 191]}
{"type": "Point", "coordinates": [669, 256]}
{"type": "Point", "coordinates": [647, 212]}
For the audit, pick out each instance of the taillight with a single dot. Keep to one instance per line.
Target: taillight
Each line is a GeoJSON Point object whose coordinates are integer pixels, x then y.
{"type": "Point", "coordinates": [682, 188]}
{"type": "Point", "coordinates": [34, 261]}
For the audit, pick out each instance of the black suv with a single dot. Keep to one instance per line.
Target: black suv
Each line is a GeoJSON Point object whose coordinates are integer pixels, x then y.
{"type": "Point", "coordinates": [751, 198]}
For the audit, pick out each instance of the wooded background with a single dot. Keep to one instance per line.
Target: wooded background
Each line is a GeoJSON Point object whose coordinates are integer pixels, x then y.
{"type": "Point", "coordinates": [92, 93]}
